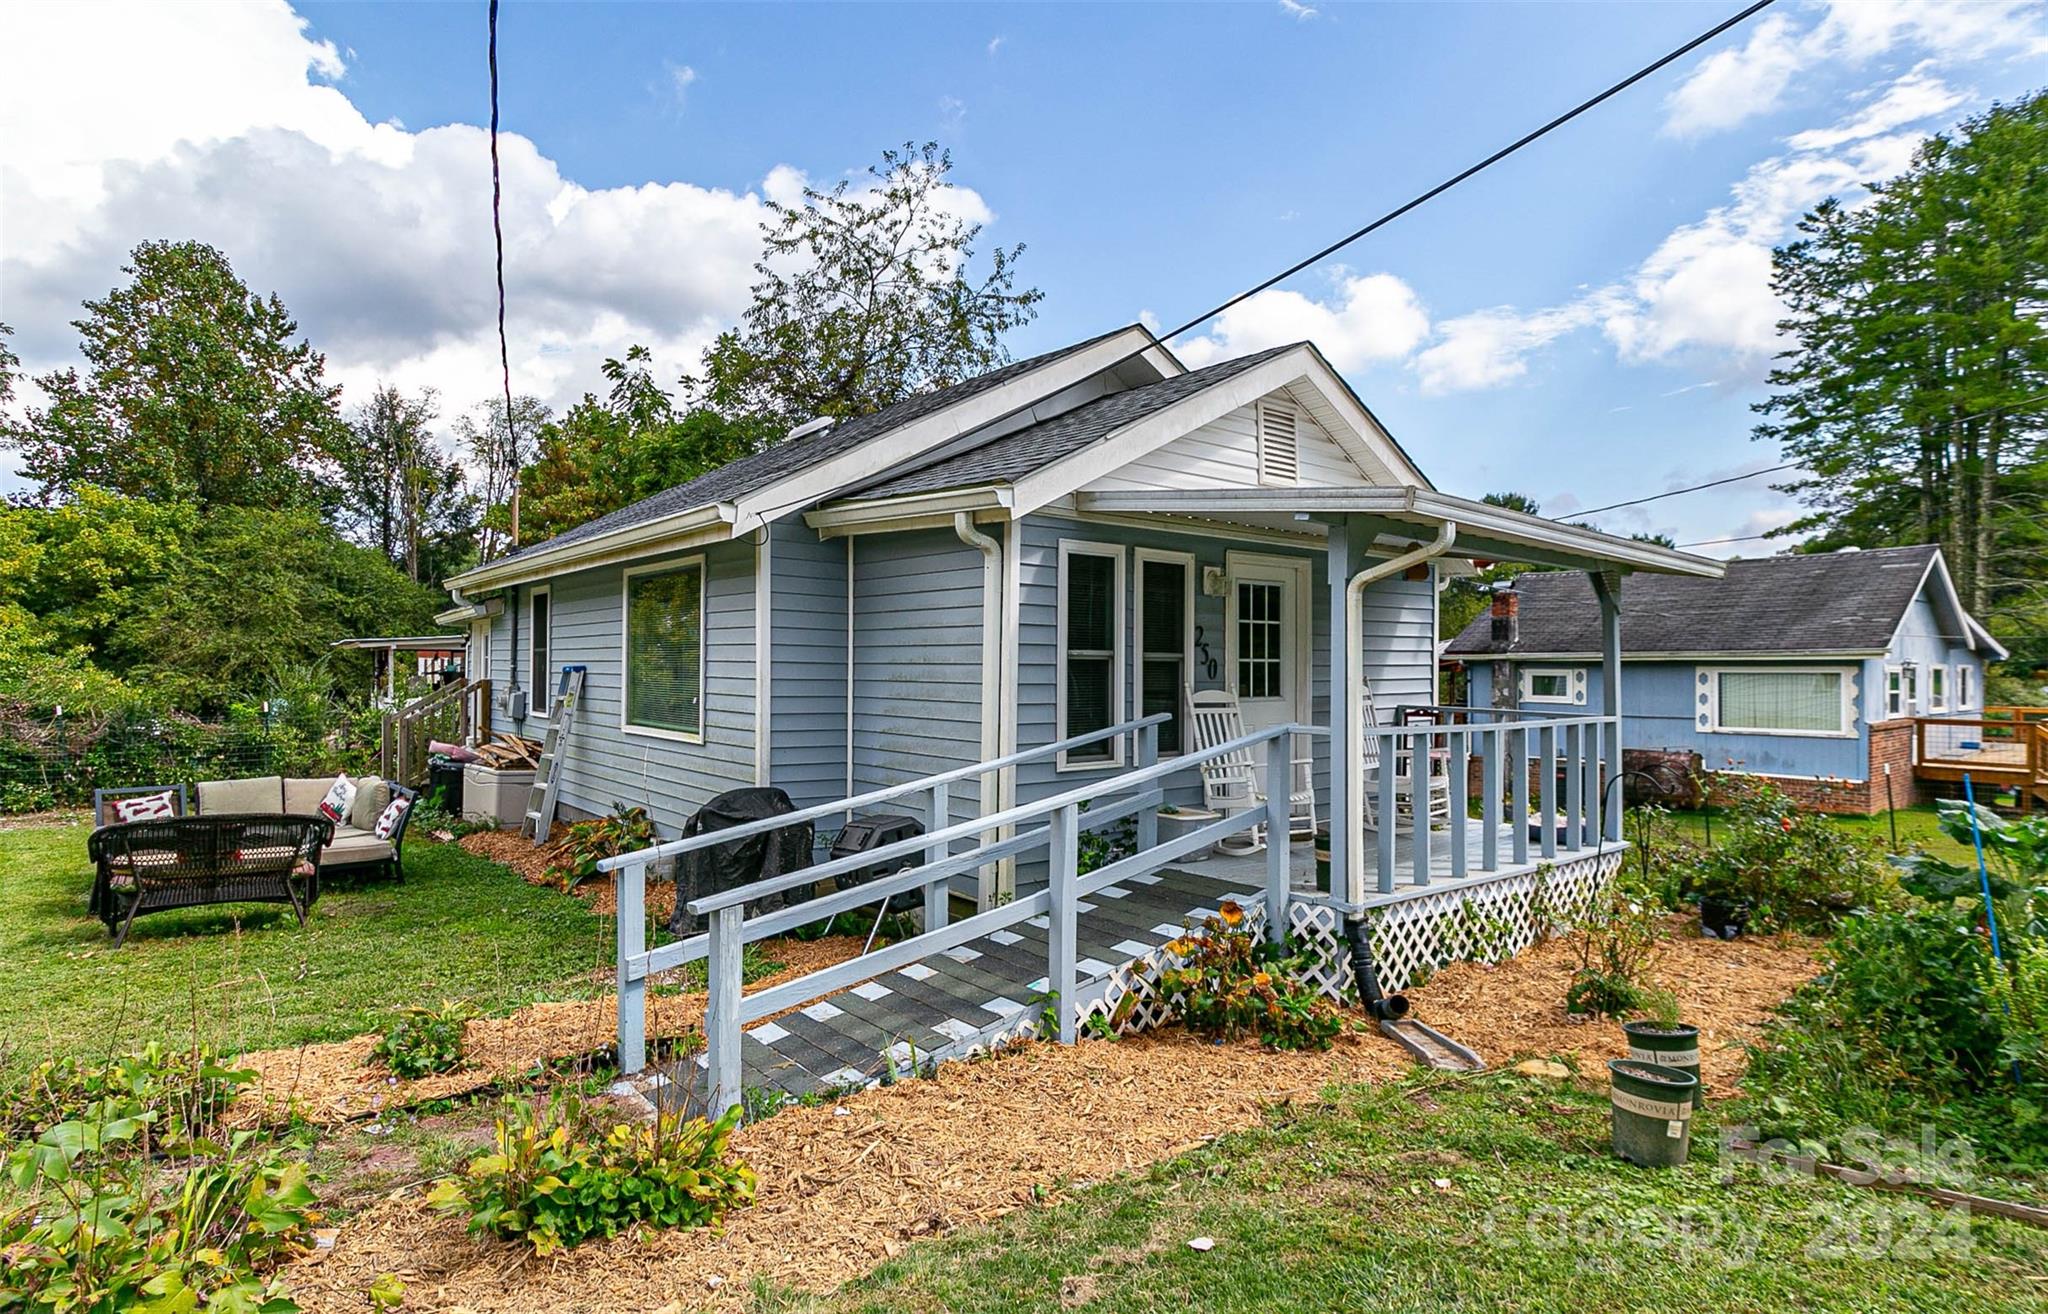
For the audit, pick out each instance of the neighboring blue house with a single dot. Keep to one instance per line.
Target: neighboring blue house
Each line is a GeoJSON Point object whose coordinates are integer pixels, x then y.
{"type": "Point", "coordinates": [1806, 668]}
{"type": "Point", "coordinates": [1059, 546]}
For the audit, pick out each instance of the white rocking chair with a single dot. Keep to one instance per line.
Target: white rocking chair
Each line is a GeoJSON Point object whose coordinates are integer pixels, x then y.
{"type": "Point", "coordinates": [1235, 781]}
{"type": "Point", "coordinates": [1438, 804]}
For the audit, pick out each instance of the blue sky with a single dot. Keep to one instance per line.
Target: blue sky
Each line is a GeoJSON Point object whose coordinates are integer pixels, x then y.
{"type": "Point", "coordinates": [1585, 323]}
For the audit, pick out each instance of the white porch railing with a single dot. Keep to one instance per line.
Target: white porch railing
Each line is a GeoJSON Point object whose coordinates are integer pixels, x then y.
{"type": "Point", "coordinates": [1138, 791]}
{"type": "Point", "coordinates": [1572, 757]}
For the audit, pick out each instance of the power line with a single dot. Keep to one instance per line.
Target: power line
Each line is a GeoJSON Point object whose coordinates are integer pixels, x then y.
{"type": "Point", "coordinates": [1493, 159]}
{"type": "Point", "coordinates": [1714, 483]}
{"type": "Point", "coordinates": [1742, 538]}
{"type": "Point", "coordinates": [1422, 198]}
{"type": "Point", "coordinates": [498, 235]}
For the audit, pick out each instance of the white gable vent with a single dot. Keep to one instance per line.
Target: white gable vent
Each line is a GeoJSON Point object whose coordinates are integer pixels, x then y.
{"type": "Point", "coordinates": [1279, 442]}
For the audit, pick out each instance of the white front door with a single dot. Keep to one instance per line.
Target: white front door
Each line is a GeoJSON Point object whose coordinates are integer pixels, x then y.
{"type": "Point", "coordinates": [1263, 635]}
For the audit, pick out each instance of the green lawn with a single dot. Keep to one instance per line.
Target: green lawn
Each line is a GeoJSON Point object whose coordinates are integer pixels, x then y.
{"type": "Point", "coordinates": [249, 977]}
{"type": "Point", "coordinates": [1917, 829]}
{"type": "Point", "coordinates": [1483, 1193]}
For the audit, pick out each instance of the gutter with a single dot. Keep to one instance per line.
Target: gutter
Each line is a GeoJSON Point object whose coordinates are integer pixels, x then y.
{"type": "Point", "coordinates": [991, 677]}
{"type": "Point", "coordinates": [629, 541]}
{"type": "Point", "coordinates": [1353, 740]}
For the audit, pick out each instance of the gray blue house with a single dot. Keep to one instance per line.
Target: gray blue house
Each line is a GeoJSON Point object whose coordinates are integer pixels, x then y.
{"type": "Point", "coordinates": [1809, 669]}
{"type": "Point", "coordinates": [1056, 547]}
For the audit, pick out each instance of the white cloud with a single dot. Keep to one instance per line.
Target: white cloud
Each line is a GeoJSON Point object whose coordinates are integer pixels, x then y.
{"type": "Point", "coordinates": [952, 112]}
{"type": "Point", "coordinates": [1916, 97]}
{"type": "Point", "coordinates": [1738, 83]}
{"type": "Point", "coordinates": [995, 43]}
{"type": "Point", "coordinates": [1368, 318]}
{"type": "Point", "coordinates": [681, 77]}
{"type": "Point", "coordinates": [1487, 348]}
{"type": "Point", "coordinates": [1298, 11]}
{"type": "Point", "coordinates": [215, 122]}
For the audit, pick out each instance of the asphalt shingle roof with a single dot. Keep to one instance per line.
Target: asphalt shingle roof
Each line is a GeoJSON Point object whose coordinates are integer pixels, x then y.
{"type": "Point", "coordinates": [1028, 450]}
{"type": "Point", "coordinates": [751, 473]}
{"type": "Point", "coordinates": [1814, 602]}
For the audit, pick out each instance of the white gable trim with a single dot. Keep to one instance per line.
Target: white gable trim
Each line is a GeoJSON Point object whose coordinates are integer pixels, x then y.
{"type": "Point", "coordinates": [1937, 568]}
{"type": "Point", "coordinates": [884, 454]}
{"type": "Point", "coordinates": [1369, 446]}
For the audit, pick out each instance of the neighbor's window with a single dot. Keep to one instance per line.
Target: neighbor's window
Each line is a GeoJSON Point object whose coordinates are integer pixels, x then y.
{"type": "Point", "coordinates": [1165, 634]}
{"type": "Point", "coordinates": [1965, 695]}
{"type": "Point", "coordinates": [665, 650]}
{"type": "Point", "coordinates": [1554, 684]}
{"type": "Point", "coordinates": [1797, 702]}
{"type": "Point", "coordinates": [538, 613]}
{"type": "Point", "coordinates": [1937, 688]}
{"type": "Point", "coordinates": [1894, 691]}
{"type": "Point", "coordinates": [1090, 674]}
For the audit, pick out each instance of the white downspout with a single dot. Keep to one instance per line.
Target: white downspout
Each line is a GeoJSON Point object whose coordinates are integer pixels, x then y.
{"type": "Point", "coordinates": [1353, 742]}
{"type": "Point", "coordinates": [991, 677]}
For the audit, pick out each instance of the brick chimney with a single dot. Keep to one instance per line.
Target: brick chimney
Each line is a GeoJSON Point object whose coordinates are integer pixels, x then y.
{"type": "Point", "coordinates": [1507, 617]}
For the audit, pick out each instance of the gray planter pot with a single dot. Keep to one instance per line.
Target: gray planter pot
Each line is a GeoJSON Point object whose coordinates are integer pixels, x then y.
{"type": "Point", "coordinates": [1173, 825]}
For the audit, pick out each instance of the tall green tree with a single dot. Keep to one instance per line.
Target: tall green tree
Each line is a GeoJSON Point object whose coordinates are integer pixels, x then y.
{"type": "Point", "coordinates": [500, 444]}
{"type": "Point", "coordinates": [609, 452]}
{"type": "Point", "coordinates": [864, 298]}
{"type": "Point", "coordinates": [400, 493]}
{"type": "Point", "coordinates": [1915, 388]}
{"type": "Point", "coordinates": [195, 389]}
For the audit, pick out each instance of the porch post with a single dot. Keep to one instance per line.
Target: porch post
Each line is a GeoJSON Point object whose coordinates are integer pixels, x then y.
{"type": "Point", "coordinates": [1607, 586]}
{"type": "Point", "coordinates": [1344, 825]}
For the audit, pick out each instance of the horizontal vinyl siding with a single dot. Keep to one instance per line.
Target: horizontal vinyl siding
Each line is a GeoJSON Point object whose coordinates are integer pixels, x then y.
{"type": "Point", "coordinates": [917, 663]}
{"type": "Point", "coordinates": [604, 765]}
{"type": "Point", "coordinates": [808, 651]}
{"type": "Point", "coordinates": [1224, 454]}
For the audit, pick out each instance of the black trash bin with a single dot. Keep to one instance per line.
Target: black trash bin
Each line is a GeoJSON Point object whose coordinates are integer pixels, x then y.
{"type": "Point", "coordinates": [444, 785]}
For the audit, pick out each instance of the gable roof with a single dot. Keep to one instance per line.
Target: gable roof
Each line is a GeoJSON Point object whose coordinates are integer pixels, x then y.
{"type": "Point", "coordinates": [752, 473]}
{"type": "Point", "coordinates": [1834, 603]}
{"type": "Point", "coordinates": [1024, 451]}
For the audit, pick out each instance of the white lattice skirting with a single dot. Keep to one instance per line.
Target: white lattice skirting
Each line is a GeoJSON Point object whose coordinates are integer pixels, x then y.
{"type": "Point", "coordinates": [1488, 919]}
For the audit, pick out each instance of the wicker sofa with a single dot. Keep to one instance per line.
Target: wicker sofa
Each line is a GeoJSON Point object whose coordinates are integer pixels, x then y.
{"type": "Point", "coordinates": [354, 843]}
{"type": "Point", "coordinates": [186, 862]}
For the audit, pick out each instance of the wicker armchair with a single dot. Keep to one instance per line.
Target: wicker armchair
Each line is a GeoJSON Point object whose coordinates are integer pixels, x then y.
{"type": "Point", "coordinates": [185, 862]}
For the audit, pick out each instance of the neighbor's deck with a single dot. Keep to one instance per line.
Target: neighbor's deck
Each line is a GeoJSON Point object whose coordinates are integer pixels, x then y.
{"type": "Point", "coordinates": [992, 987]}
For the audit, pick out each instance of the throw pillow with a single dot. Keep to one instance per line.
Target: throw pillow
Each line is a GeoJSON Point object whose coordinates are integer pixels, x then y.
{"type": "Point", "coordinates": [145, 807]}
{"type": "Point", "coordinates": [371, 796]}
{"type": "Point", "coordinates": [340, 795]}
{"type": "Point", "coordinates": [387, 821]}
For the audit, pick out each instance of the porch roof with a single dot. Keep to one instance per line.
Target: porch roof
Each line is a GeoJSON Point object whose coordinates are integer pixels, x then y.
{"type": "Point", "coordinates": [1484, 531]}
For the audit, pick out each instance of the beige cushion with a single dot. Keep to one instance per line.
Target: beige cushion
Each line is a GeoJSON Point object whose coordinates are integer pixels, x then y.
{"type": "Point", "coordinates": [261, 794]}
{"type": "Point", "coordinates": [352, 845]}
{"type": "Point", "coordinates": [302, 797]}
{"type": "Point", "coordinates": [371, 796]}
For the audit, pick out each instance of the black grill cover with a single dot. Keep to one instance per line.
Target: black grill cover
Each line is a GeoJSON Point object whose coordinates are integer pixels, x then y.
{"type": "Point", "coordinates": [758, 857]}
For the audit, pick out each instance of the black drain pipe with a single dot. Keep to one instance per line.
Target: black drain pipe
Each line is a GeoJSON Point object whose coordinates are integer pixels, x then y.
{"type": "Point", "coordinates": [1383, 1006]}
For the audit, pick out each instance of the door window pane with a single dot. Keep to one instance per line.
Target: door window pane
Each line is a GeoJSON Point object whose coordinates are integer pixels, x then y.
{"type": "Point", "coordinates": [1258, 640]}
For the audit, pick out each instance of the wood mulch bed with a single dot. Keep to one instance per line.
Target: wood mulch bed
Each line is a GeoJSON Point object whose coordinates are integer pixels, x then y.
{"type": "Point", "coordinates": [509, 848]}
{"type": "Point", "coordinates": [338, 1082]}
{"type": "Point", "coordinates": [845, 1187]}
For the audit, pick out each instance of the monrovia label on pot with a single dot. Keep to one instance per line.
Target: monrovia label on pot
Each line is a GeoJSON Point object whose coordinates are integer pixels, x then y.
{"type": "Point", "coordinates": [1673, 1112]}
{"type": "Point", "coordinates": [1676, 1058]}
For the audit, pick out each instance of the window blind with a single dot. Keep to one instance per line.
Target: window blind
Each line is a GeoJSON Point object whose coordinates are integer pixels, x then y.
{"type": "Point", "coordinates": [664, 650]}
{"type": "Point", "coordinates": [1781, 700]}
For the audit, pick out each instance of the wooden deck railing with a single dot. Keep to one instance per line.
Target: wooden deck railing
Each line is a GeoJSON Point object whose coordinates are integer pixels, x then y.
{"type": "Point", "coordinates": [1992, 746]}
{"type": "Point", "coordinates": [458, 713]}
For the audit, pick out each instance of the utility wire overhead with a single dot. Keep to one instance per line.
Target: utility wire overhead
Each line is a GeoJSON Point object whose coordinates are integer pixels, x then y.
{"type": "Point", "coordinates": [1713, 483]}
{"type": "Point", "coordinates": [1422, 198]}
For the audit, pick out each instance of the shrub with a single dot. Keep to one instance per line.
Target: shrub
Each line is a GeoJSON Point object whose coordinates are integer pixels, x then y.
{"type": "Point", "coordinates": [1793, 870]}
{"type": "Point", "coordinates": [1230, 984]}
{"type": "Point", "coordinates": [93, 1228]}
{"type": "Point", "coordinates": [425, 1040]}
{"type": "Point", "coordinates": [185, 1090]}
{"type": "Point", "coordinates": [1616, 939]}
{"type": "Point", "coordinates": [575, 857]}
{"type": "Point", "coordinates": [559, 1177]}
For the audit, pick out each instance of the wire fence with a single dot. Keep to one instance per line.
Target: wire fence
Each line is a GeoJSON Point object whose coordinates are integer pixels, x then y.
{"type": "Point", "coordinates": [58, 761]}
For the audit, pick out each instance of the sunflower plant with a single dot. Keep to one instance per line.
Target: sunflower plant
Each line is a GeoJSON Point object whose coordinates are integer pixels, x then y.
{"type": "Point", "coordinates": [1230, 984]}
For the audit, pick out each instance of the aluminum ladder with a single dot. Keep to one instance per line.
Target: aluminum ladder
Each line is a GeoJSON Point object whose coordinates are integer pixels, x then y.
{"type": "Point", "coordinates": [540, 802]}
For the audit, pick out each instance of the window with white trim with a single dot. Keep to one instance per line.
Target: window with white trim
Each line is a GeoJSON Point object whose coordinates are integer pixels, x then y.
{"type": "Point", "coordinates": [539, 619]}
{"type": "Point", "coordinates": [664, 650]}
{"type": "Point", "coordinates": [1554, 684]}
{"type": "Point", "coordinates": [1894, 691]}
{"type": "Point", "coordinates": [1279, 433]}
{"type": "Point", "coordinates": [1165, 626]}
{"type": "Point", "coordinates": [1937, 688]}
{"type": "Point", "coordinates": [1966, 695]}
{"type": "Point", "coordinates": [1777, 700]}
{"type": "Point", "coordinates": [1089, 687]}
